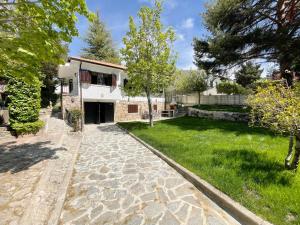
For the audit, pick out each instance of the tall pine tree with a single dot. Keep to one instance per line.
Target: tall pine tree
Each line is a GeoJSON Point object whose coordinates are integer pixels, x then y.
{"type": "Point", "coordinates": [99, 43]}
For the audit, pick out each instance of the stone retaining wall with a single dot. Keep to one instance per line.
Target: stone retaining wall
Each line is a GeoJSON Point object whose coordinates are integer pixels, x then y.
{"type": "Point", "coordinates": [121, 110]}
{"type": "Point", "coordinates": [219, 115]}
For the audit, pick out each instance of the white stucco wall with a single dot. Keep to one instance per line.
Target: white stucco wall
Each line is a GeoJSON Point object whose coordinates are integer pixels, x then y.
{"type": "Point", "coordinates": [97, 93]}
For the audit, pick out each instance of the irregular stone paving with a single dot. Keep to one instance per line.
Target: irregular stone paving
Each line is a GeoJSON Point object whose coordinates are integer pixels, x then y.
{"type": "Point", "coordinates": [119, 181]}
{"type": "Point", "coordinates": [25, 165]}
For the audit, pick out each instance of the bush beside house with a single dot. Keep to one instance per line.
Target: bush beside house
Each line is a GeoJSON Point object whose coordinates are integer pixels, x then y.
{"type": "Point", "coordinates": [24, 106]}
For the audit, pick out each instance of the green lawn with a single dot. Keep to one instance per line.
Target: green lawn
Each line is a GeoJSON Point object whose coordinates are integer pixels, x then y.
{"type": "Point", "coordinates": [228, 108]}
{"type": "Point", "coordinates": [245, 163]}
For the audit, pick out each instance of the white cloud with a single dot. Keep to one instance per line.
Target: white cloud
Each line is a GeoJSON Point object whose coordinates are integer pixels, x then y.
{"type": "Point", "coordinates": [170, 4]}
{"type": "Point", "coordinates": [188, 23]}
{"type": "Point", "coordinates": [180, 37]}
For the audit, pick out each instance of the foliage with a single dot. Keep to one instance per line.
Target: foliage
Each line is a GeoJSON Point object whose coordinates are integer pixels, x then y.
{"type": "Point", "coordinates": [100, 44]}
{"type": "Point", "coordinates": [148, 54]}
{"type": "Point", "coordinates": [24, 101]}
{"type": "Point", "coordinates": [241, 161]}
{"type": "Point", "coordinates": [24, 105]}
{"type": "Point", "coordinates": [229, 88]}
{"type": "Point", "coordinates": [31, 32]}
{"type": "Point", "coordinates": [76, 115]}
{"type": "Point", "coordinates": [242, 30]}
{"type": "Point", "coordinates": [276, 106]}
{"type": "Point", "coordinates": [248, 74]}
{"type": "Point", "coordinates": [50, 81]}
{"type": "Point", "coordinates": [192, 81]}
{"type": "Point", "coordinates": [27, 128]}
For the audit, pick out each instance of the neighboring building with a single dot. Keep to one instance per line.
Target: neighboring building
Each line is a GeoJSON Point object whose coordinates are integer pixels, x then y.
{"type": "Point", "coordinates": [96, 87]}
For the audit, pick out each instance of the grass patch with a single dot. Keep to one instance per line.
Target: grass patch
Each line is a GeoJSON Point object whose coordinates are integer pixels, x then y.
{"type": "Point", "coordinates": [245, 163]}
{"type": "Point", "coordinates": [226, 108]}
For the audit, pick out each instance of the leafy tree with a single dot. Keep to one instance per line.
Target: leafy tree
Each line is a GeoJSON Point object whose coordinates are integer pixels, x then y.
{"type": "Point", "coordinates": [100, 44]}
{"type": "Point", "coordinates": [49, 83]}
{"type": "Point", "coordinates": [192, 81]}
{"type": "Point", "coordinates": [31, 33]}
{"type": "Point", "coordinates": [148, 55]}
{"type": "Point", "coordinates": [277, 107]}
{"type": "Point", "coordinates": [248, 74]}
{"type": "Point", "coordinates": [229, 88]}
{"type": "Point", "coordinates": [242, 30]}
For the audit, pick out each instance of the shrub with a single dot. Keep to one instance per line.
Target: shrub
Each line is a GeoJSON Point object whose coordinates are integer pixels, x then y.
{"type": "Point", "coordinates": [27, 128]}
{"type": "Point", "coordinates": [24, 105]}
{"type": "Point", "coordinates": [231, 88]}
{"type": "Point", "coordinates": [75, 115]}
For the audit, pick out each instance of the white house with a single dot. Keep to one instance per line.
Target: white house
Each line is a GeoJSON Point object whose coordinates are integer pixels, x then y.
{"type": "Point", "coordinates": [96, 88]}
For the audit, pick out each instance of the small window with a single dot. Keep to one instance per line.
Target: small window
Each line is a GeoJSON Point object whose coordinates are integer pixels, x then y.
{"type": "Point", "coordinates": [155, 107]}
{"type": "Point", "coordinates": [133, 108]}
{"type": "Point", "coordinates": [70, 85]}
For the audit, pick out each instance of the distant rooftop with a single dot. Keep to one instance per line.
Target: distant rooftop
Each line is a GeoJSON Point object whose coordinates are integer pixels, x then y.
{"type": "Point", "coordinates": [112, 65]}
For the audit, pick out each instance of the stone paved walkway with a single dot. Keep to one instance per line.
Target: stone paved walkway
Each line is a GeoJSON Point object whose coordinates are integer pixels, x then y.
{"type": "Point", "coordinates": [32, 174]}
{"type": "Point", "coordinates": [119, 181]}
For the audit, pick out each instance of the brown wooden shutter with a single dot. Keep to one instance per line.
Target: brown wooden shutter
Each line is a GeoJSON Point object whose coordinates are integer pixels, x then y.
{"type": "Point", "coordinates": [133, 108]}
{"type": "Point", "coordinates": [85, 76]}
{"type": "Point", "coordinates": [155, 107]}
{"type": "Point", "coordinates": [114, 80]}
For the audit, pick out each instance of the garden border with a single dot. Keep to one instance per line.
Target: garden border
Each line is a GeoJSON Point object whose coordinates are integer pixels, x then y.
{"type": "Point", "coordinates": [237, 211]}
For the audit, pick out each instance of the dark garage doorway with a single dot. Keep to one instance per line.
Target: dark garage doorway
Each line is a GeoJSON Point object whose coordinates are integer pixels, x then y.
{"type": "Point", "coordinates": [98, 112]}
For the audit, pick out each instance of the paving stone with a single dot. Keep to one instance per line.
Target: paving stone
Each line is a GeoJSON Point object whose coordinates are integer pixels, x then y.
{"type": "Point", "coordinates": [119, 181]}
{"type": "Point", "coordinates": [196, 217]}
{"type": "Point", "coordinates": [214, 220]}
{"type": "Point", "coordinates": [169, 219]}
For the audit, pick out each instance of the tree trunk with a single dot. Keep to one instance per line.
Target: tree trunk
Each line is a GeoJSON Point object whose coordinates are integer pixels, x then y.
{"type": "Point", "coordinates": [284, 65]}
{"type": "Point", "coordinates": [199, 98]}
{"type": "Point", "coordinates": [150, 108]}
{"type": "Point", "coordinates": [290, 152]}
{"type": "Point", "coordinates": [297, 152]}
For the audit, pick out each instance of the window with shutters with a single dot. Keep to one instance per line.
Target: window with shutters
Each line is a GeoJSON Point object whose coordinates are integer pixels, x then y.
{"type": "Point", "coordinates": [102, 79]}
{"type": "Point", "coordinates": [133, 108]}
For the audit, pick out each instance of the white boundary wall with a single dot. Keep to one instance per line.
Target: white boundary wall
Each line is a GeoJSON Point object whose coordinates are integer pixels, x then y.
{"type": "Point", "coordinates": [192, 99]}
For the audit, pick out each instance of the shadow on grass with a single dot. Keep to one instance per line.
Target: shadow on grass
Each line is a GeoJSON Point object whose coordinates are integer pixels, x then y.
{"type": "Point", "coordinates": [201, 124]}
{"type": "Point", "coordinates": [254, 167]}
{"type": "Point", "coordinates": [18, 157]}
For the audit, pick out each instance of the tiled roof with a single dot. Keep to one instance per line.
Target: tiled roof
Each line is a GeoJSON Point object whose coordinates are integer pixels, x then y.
{"type": "Point", "coordinates": [112, 65]}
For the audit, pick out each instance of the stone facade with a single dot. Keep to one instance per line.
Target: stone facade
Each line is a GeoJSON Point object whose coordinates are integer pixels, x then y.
{"type": "Point", "coordinates": [121, 110]}
{"type": "Point", "coordinates": [70, 102]}
{"type": "Point", "coordinates": [218, 115]}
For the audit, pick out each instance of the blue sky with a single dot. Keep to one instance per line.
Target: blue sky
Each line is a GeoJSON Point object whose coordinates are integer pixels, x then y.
{"type": "Point", "coordinates": [182, 15]}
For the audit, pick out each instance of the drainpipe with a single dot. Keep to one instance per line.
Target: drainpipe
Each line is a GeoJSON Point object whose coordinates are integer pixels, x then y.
{"type": "Point", "coordinates": [61, 99]}
{"type": "Point", "coordinates": [81, 100]}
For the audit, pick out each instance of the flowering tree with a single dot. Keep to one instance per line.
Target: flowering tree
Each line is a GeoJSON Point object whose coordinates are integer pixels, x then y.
{"type": "Point", "coordinates": [277, 106]}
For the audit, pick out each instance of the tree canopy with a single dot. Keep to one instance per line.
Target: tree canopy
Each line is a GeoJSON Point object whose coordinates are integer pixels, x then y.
{"type": "Point", "coordinates": [248, 74]}
{"type": "Point", "coordinates": [148, 54]}
{"type": "Point", "coordinates": [276, 106]}
{"type": "Point", "coordinates": [242, 30]}
{"type": "Point", "coordinates": [31, 33]}
{"type": "Point", "coordinates": [191, 81]}
{"type": "Point", "coordinates": [99, 43]}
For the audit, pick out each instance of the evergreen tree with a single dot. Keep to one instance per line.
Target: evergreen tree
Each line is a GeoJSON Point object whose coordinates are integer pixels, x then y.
{"type": "Point", "coordinates": [243, 30]}
{"type": "Point", "coordinates": [100, 44]}
{"type": "Point", "coordinates": [248, 74]}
